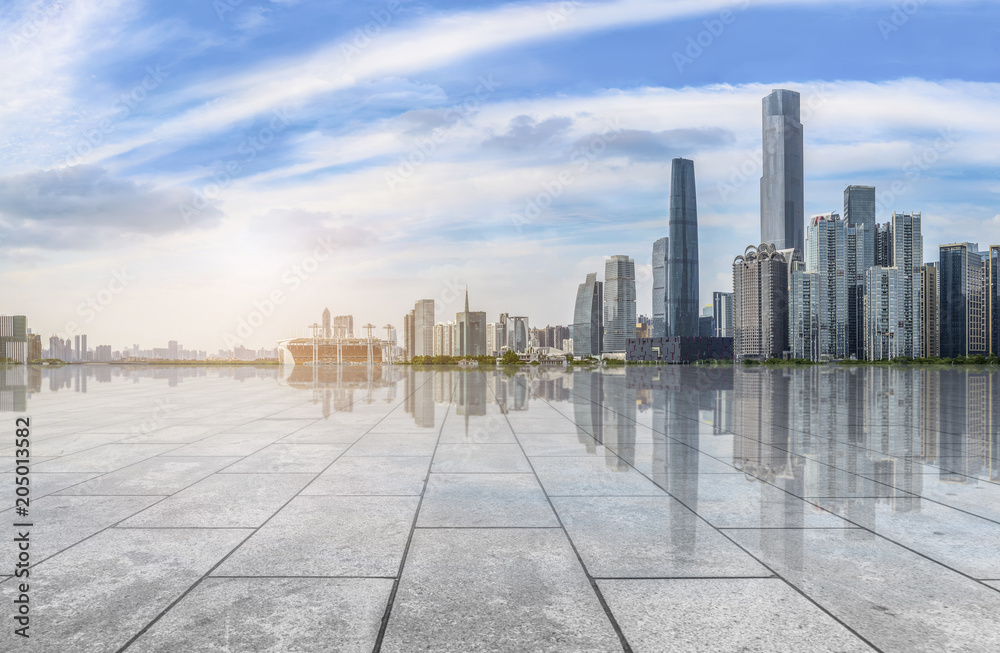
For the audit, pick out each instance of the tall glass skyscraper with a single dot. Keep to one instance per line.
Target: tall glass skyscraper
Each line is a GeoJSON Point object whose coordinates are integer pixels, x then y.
{"type": "Point", "coordinates": [619, 303]}
{"type": "Point", "coordinates": [859, 214]}
{"type": "Point", "coordinates": [682, 262]}
{"type": "Point", "coordinates": [588, 318]}
{"type": "Point", "coordinates": [964, 305]}
{"type": "Point", "coordinates": [859, 210]}
{"type": "Point", "coordinates": [782, 217]}
{"type": "Point", "coordinates": [660, 255]}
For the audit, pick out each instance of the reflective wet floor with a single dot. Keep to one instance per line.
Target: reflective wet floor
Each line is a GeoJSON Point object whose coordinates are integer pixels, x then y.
{"type": "Point", "coordinates": [401, 509]}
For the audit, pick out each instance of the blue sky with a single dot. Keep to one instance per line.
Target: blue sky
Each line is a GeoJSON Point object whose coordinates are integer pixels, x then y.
{"type": "Point", "coordinates": [207, 147]}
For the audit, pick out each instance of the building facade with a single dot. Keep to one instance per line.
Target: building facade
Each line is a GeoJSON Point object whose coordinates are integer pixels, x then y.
{"type": "Point", "coordinates": [343, 326]}
{"type": "Point", "coordinates": [964, 308]}
{"type": "Point", "coordinates": [722, 311]}
{"type": "Point", "coordinates": [827, 254]}
{"type": "Point", "coordinates": [893, 295]}
{"type": "Point", "coordinates": [760, 304]}
{"type": "Point", "coordinates": [782, 217]}
{"type": "Point", "coordinates": [470, 336]}
{"type": "Point", "coordinates": [661, 252]}
{"type": "Point", "coordinates": [803, 317]}
{"type": "Point", "coordinates": [682, 260]}
{"type": "Point", "coordinates": [930, 317]}
{"type": "Point", "coordinates": [14, 338]}
{"type": "Point", "coordinates": [619, 303]}
{"type": "Point", "coordinates": [588, 318]}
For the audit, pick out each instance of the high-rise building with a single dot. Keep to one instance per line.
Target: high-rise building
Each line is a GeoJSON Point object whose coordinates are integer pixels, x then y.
{"type": "Point", "coordinates": [826, 254]}
{"type": "Point", "coordinates": [172, 349]}
{"type": "Point", "coordinates": [859, 211]}
{"type": "Point", "coordinates": [588, 318]}
{"type": "Point", "coordinates": [993, 303]}
{"type": "Point", "coordinates": [14, 338]}
{"type": "Point", "coordinates": [760, 304]}
{"type": "Point", "coordinates": [83, 347]}
{"type": "Point", "coordinates": [883, 245]}
{"type": "Point", "coordinates": [964, 307]}
{"type": "Point", "coordinates": [423, 328]}
{"type": "Point", "coordinates": [782, 212]}
{"type": "Point", "coordinates": [857, 264]}
{"type": "Point", "coordinates": [494, 340]}
{"type": "Point", "coordinates": [343, 326]}
{"type": "Point", "coordinates": [34, 346]}
{"type": "Point", "coordinates": [682, 259]}
{"type": "Point", "coordinates": [908, 258]}
{"type": "Point", "coordinates": [804, 314]}
{"type": "Point", "coordinates": [661, 252]}
{"type": "Point", "coordinates": [516, 332]}
{"type": "Point", "coordinates": [409, 333]}
{"type": "Point", "coordinates": [470, 336]}
{"type": "Point", "coordinates": [722, 311]}
{"type": "Point", "coordinates": [930, 318]}
{"type": "Point", "coordinates": [76, 348]}
{"type": "Point", "coordinates": [327, 333]}
{"type": "Point", "coordinates": [619, 303]}
{"type": "Point", "coordinates": [893, 295]}
{"type": "Point", "coordinates": [444, 339]}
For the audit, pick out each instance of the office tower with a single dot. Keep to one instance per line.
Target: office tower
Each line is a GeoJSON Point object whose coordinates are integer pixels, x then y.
{"type": "Point", "coordinates": [964, 306]}
{"type": "Point", "coordinates": [706, 326]}
{"type": "Point", "coordinates": [661, 252]}
{"type": "Point", "coordinates": [760, 304]}
{"type": "Point", "coordinates": [893, 295]}
{"type": "Point", "coordinates": [409, 336]}
{"type": "Point", "coordinates": [682, 259]}
{"type": "Point", "coordinates": [423, 327]}
{"type": "Point", "coordinates": [83, 347]}
{"type": "Point", "coordinates": [859, 211]}
{"type": "Point", "coordinates": [883, 245]}
{"type": "Point", "coordinates": [856, 266]}
{"type": "Point", "coordinates": [76, 347]}
{"type": "Point", "coordinates": [14, 338]}
{"type": "Point", "coordinates": [172, 349]}
{"type": "Point", "coordinates": [826, 254]}
{"type": "Point", "coordinates": [993, 302]}
{"type": "Point", "coordinates": [470, 336]}
{"type": "Point", "coordinates": [327, 333]}
{"type": "Point", "coordinates": [493, 342]}
{"type": "Point", "coordinates": [619, 302]}
{"type": "Point", "coordinates": [930, 318]}
{"type": "Point", "coordinates": [782, 217]}
{"type": "Point", "coordinates": [588, 318]}
{"type": "Point", "coordinates": [343, 326]}
{"type": "Point", "coordinates": [804, 314]}
{"type": "Point", "coordinates": [908, 258]}
{"type": "Point", "coordinates": [722, 311]}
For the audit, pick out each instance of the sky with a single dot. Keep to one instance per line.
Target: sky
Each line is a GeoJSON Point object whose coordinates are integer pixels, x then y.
{"type": "Point", "coordinates": [217, 172]}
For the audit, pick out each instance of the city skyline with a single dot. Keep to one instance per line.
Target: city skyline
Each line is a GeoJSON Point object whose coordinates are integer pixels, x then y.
{"type": "Point", "coordinates": [920, 130]}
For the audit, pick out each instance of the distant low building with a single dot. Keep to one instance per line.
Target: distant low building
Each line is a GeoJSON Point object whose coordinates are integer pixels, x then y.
{"type": "Point", "coordinates": [678, 350]}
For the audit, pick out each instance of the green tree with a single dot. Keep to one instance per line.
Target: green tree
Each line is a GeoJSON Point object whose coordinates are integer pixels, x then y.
{"type": "Point", "coordinates": [510, 358]}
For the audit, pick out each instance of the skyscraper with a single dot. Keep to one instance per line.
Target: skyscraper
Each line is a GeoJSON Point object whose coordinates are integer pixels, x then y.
{"type": "Point", "coordinates": [588, 318]}
{"type": "Point", "coordinates": [930, 317]}
{"type": "Point", "coordinates": [859, 210]}
{"type": "Point", "coordinates": [722, 311]}
{"type": "Point", "coordinates": [826, 254]}
{"type": "Point", "coordinates": [782, 222]}
{"type": "Point", "coordinates": [805, 307]}
{"type": "Point", "coordinates": [760, 304]}
{"type": "Point", "coordinates": [993, 299]}
{"type": "Point", "coordinates": [661, 252]}
{"type": "Point", "coordinates": [964, 306]}
{"type": "Point", "coordinates": [682, 260]}
{"type": "Point", "coordinates": [470, 335]}
{"type": "Point", "coordinates": [423, 328]}
{"type": "Point", "coordinates": [326, 323]}
{"type": "Point", "coordinates": [619, 303]}
{"type": "Point", "coordinates": [893, 295]}
{"type": "Point", "coordinates": [883, 245]}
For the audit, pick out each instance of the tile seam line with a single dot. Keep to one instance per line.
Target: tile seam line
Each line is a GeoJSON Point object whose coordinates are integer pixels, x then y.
{"type": "Point", "coordinates": [623, 640]}
{"type": "Point", "coordinates": [207, 574]}
{"type": "Point", "coordinates": [390, 602]}
{"type": "Point", "coordinates": [753, 557]}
